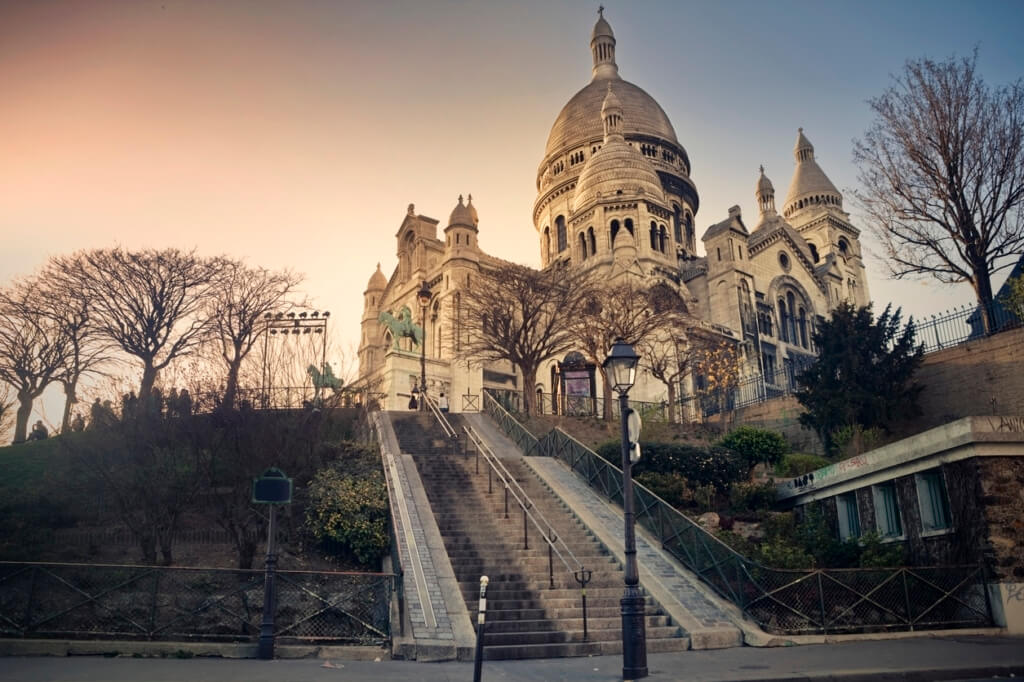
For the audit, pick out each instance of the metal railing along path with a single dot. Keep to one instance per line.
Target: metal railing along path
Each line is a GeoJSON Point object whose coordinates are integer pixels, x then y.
{"type": "Point", "coordinates": [531, 514]}
{"type": "Point", "coordinates": [106, 601]}
{"type": "Point", "coordinates": [790, 601]}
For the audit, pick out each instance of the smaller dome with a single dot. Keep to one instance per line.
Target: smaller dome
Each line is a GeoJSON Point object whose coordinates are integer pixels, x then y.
{"type": "Point", "coordinates": [377, 281]}
{"type": "Point", "coordinates": [764, 185]}
{"type": "Point", "coordinates": [602, 27]}
{"type": "Point", "coordinates": [462, 215]}
{"type": "Point", "coordinates": [617, 168]}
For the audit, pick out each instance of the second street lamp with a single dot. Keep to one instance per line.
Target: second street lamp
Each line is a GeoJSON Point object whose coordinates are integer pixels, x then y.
{"type": "Point", "coordinates": [423, 296]}
{"type": "Point", "coordinates": [620, 372]}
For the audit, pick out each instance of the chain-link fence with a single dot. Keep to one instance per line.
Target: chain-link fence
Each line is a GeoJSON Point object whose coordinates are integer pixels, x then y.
{"type": "Point", "coordinates": [784, 601]}
{"type": "Point", "coordinates": [86, 601]}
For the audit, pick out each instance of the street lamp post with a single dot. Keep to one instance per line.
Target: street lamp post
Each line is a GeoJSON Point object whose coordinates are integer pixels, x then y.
{"type": "Point", "coordinates": [620, 371]}
{"type": "Point", "coordinates": [423, 296]}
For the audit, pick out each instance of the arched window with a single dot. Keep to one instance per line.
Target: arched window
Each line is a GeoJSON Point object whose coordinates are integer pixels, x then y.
{"type": "Point", "coordinates": [844, 246]}
{"type": "Point", "coordinates": [677, 223]}
{"type": "Point", "coordinates": [593, 240]}
{"type": "Point", "coordinates": [563, 238]}
{"type": "Point", "coordinates": [654, 236]}
{"type": "Point", "coordinates": [791, 308]}
{"type": "Point", "coordinates": [629, 226]}
{"type": "Point", "coordinates": [801, 320]}
{"type": "Point", "coordinates": [583, 246]}
{"type": "Point", "coordinates": [662, 238]}
{"type": "Point", "coordinates": [614, 230]}
{"type": "Point", "coordinates": [689, 230]}
{"type": "Point", "coordinates": [547, 243]}
{"type": "Point", "coordinates": [783, 321]}
{"type": "Point", "coordinates": [814, 252]}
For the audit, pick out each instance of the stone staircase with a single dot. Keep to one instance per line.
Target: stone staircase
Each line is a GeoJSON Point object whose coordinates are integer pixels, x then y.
{"type": "Point", "coordinates": [526, 616]}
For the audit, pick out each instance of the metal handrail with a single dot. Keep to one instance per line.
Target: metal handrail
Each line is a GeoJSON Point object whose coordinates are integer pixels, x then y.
{"type": "Point", "coordinates": [523, 439]}
{"type": "Point", "coordinates": [446, 425]}
{"type": "Point", "coordinates": [526, 504]}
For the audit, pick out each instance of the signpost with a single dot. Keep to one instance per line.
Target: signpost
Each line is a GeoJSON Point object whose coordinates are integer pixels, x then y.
{"type": "Point", "coordinates": [272, 488]}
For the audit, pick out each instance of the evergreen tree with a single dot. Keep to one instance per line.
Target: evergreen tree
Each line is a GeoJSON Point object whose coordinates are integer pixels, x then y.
{"type": "Point", "coordinates": [862, 376]}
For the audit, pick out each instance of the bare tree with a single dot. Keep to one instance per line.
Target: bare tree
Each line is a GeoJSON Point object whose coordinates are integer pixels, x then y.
{"type": "Point", "coordinates": [621, 310]}
{"type": "Point", "coordinates": [719, 362]}
{"type": "Point", "coordinates": [667, 356]}
{"type": "Point", "coordinates": [942, 174]}
{"type": "Point", "coordinates": [33, 351]}
{"type": "Point", "coordinates": [244, 296]}
{"type": "Point", "coordinates": [521, 315]}
{"type": "Point", "coordinates": [151, 303]}
{"type": "Point", "coordinates": [87, 350]}
{"type": "Point", "coordinates": [6, 410]}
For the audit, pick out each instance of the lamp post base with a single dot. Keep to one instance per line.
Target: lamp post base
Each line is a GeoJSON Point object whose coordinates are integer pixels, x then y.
{"type": "Point", "coordinates": [634, 636]}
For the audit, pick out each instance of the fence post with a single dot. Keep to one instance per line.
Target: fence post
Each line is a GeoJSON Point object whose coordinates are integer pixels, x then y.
{"type": "Point", "coordinates": [31, 601]}
{"type": "Point", "coordinates": [153, 606]}
{"type": "Point", "coordinates": [906, 599]}
{"type": "Point", "coordinates": [821, 599]}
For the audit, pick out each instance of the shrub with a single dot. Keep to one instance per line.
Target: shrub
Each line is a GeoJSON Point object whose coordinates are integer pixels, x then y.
{"type": "Point", "coordinates": [752, 497]}
{"type": "Point", "coordinates": [349, 515]}
{"type": "Point", "coordinates": [670, 487]}
{"type": "Point", "coordinates": [756, 445]}
{"type": "Point", "coordinates": [877, 554]}
{"type": "Point", "coordinates": [798, 464]}
{"type": "Point", "coordinates": [700, 466]}
{"type": "Point", "coordinates": [780, 552]}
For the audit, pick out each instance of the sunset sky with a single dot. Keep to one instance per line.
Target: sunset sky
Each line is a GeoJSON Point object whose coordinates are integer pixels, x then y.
{"type": "Point", "coordinates": [294, 134]}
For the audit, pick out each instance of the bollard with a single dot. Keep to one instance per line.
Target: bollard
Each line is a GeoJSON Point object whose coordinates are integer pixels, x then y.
{"type": "Point", "coordinates": [480, 617]}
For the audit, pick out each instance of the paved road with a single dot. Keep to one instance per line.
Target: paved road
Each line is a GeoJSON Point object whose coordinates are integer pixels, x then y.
{"type": "Point", "coordinates": [953, 658]}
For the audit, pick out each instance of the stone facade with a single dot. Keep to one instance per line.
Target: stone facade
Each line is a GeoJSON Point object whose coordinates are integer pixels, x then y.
{"type": "Point", "coordinates": [615, 197]}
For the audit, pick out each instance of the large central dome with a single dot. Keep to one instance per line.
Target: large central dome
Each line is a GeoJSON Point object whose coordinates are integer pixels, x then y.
{"type": "Point", "coordinates": [580, 119]}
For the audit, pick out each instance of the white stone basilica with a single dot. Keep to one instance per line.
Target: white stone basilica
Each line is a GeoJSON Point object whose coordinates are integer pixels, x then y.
{"type": "Point", "coordinates": [615, 196]}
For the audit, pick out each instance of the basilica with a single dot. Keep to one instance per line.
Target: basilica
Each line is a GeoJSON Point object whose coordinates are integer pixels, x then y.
{"type": "Point", "coordinates": [615, 196]}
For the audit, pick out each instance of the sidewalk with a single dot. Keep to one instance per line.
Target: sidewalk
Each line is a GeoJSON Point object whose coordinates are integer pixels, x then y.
{"type": "Point", "coordinates": [936, 658]}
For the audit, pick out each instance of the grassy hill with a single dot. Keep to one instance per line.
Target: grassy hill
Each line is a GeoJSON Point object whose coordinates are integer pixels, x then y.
{"type": "Point", "coordinates": [64, 498]}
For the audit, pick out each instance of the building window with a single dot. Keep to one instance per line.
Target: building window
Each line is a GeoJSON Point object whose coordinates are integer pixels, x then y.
{"type": "Point", "coordinates": [933, 501]}
{"type": "Point", "coordinates": [887, 510]}
{"type": "Point", "coordinates": [849, 520]}
{"type": "Point", "coordinates": [563, 239]}
{"type": "Point", "coordinates": [593, 240]}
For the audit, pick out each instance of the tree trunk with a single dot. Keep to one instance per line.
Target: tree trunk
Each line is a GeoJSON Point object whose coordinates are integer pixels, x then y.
{"type": "Point", "coordinates": [529, 394]}
{"type": "Point", "coordinates": [231, 387]}
{"type": "Point", "coordinates": [672, 407]}
{"type": "Point", "coordinates": [21, 417]}
{"type": "Point", "coordinates": [149, 373]}
{"type": "Point", "coordinates": [147, 543]}
{"type": "Point", "coordinates": [983, 291]}
{"type": "Point", "coordinates": [606, 395]}
{"type": "Point", "coordinates": [70, 400]}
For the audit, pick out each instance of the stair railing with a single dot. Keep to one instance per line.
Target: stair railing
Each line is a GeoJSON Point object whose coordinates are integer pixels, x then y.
{"type": "Point", "coordinates": [556, 545]}
{"type": "Point", "coordinates": [446, 426]}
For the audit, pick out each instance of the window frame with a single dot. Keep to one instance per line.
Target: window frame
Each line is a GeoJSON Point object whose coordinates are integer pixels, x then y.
{"type": "Point", "coordinates": [878, 492]}
{"type": "Point", "coordinates": [920, 481]}
{"type": "Point", "coordinates": [842, 514]}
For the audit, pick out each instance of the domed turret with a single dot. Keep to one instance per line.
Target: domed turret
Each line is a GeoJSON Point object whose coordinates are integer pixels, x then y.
{"type": "Point", "coordinates": [765, 194]}
{"type": "Point", "coordinates": [378, 282]}
{"type": "Point", "coordinates": [809, 186]}
{"type": "Point", "coordinates": [616, 168]}
{"type": "Point", "coordinates": [463, 215]}
{"type": "Point", "coordinates": [602, 45]}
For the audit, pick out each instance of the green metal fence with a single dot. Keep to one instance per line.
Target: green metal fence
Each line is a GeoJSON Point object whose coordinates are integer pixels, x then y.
{"type": "Point", "coordinates": [103, 601]}
{"type": "Point", "coordinates": [781, 601]}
